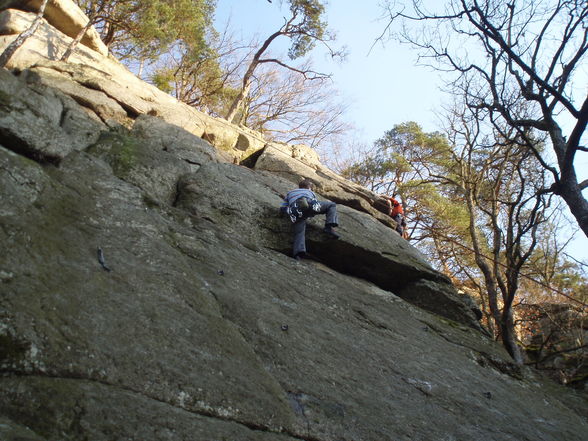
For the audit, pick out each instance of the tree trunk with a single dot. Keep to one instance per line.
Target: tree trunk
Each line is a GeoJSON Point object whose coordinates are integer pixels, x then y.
{"type": "Point", "coordinates": [19, 41]}
{"type": "Point", "coordinates": [571, 193]}
{"type": "Point", "coordinates": [489, 280]}
{"type": "Point", "coordinates": [509, 337]}
{"type": "Point", "coordinates": [238, 101]}
{"type": "Point", "coordinates": [73, 44]}
{"type": "Point", "coordinates": [141, 67]}
{"type": "Point", "coordinates": [490, 323]}
{"type": "Point", "coordinates": [109, 35]}
{"type": "Point", "coordinates": [568, 187]}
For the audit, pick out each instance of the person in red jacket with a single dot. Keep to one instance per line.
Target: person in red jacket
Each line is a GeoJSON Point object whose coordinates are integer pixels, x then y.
{"type": "Point", "coordinates": [396, 212]}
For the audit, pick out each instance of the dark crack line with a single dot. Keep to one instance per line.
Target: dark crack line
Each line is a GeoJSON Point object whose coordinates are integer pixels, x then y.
{"type": "Point", "coordinates": [208, 414]}
{"type": "Point", "coordinates": [18, 179]}
{"type": "Point", "coordinates": [131, 111]}
{"type": "Point", "coordinates": [189, 161]}
{"type": "Point", "coordinates": [63, 116]}
{"type": "Point", "coordinates": [446, 338]}
{"type": "Point", "coordinates": [487, 357]}
{"type": "Point", "coordinates": [362, 316]}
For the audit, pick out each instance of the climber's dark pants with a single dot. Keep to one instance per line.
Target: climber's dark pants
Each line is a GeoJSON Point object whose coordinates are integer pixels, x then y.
{"type": "Point", "coordinates": [328, 208]}
{"type": "Point", "coordinates": [399, 218]}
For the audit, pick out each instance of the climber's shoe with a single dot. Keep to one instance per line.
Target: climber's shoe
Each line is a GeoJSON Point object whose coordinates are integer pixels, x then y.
{"type": "Point", "coordinates": [331, 232]}
{"type": "Point", "coordinates": [300, 256]}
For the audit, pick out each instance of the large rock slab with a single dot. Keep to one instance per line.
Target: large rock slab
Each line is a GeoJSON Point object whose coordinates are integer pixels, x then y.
{"type": "Point", "coordinates": [148, 293]}
{"type": "Point", "coordinates": [111, 87]}
{"type": "Point", "coordinates": [172, 166]}
{"type": "Point", "coordinates": [296, 162]}
{"type": "Point", "coordinates": [42, 123]}
{"type": "Point", "coordinates": [247, 202]}
{"type": "Point", "coordinates": [196, 330]}
{"type": "Point", "coordinates": [64, 15]}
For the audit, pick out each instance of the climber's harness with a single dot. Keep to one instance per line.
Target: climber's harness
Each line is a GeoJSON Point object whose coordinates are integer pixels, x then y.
{"type": "Point", "coordinates": [302, 208]}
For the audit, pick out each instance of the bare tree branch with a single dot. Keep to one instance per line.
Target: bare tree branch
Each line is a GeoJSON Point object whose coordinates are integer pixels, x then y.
{"type": "Point", "coordinates": [523, 72]}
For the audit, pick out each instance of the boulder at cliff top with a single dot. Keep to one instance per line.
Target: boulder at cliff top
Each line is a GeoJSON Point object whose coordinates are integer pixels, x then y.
{"type": "Point", "coordinates": [96, 72]}
{"type": "Point", "coordinates": [63, 14]}
{"type": "Point", "coordinates": [42, 123]}
{"type": "Point", "coordinates": [135, 308]}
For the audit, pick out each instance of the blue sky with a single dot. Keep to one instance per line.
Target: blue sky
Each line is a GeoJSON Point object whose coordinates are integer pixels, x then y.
{"type": "Point", "coordinates": [383, 87]}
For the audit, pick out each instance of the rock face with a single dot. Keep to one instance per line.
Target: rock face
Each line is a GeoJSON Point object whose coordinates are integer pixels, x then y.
{"type": "Point", "coordinates": [551, 341]}
{"type": "Point", "coordinates": [64, 15]}
{"type": "Point", "coordinates": [147, 291]}
{"type": "Point", "coordinates": [108, 92]}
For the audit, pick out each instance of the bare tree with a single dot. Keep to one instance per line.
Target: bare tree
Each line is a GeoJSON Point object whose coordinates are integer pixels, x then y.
{"type": "Point", "coordinates": [474, 201]}
{"type": "Point", "coordinates": [516, 52]}
{"type": "Point", "coordinates": [305, 29]}
{"type": "Point", "coordinates": [19, 41]}
{"type": "Point", "coordinates": [497, 176]}
{"type": "Point", "coordinates": [287, 107]}
{"type": "Point", "coordinates": [281, 104]}
{"type": "Point", "coordinates": [207, 81]}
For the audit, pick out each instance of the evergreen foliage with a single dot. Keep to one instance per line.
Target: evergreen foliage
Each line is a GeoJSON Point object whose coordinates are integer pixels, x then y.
{"type": "Point", "coordinates": [308, 29]}
{"type": "Point", "coordinates": [474, 204]}
{"type": "Point", "coordinates": [146, 29]}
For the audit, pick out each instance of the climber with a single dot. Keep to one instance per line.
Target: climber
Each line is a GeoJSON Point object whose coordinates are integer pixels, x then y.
{"type": "Point", "coordinates": [299, 205]}
{"type": "Point", "coordinates": [397, 213]}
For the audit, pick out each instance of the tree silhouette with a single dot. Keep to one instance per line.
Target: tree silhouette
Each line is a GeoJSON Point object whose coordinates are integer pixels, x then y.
{"type": "Point", "coordinates": [304, 28]}
{"type": "Point", "coordinates": [518, 63]}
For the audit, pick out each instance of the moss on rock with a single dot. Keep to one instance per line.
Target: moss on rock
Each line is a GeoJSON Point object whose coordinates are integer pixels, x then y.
{"type": "Point", "coordinates": [12, 350]}
{"type": "Point", "coordinates": [120, 150]}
